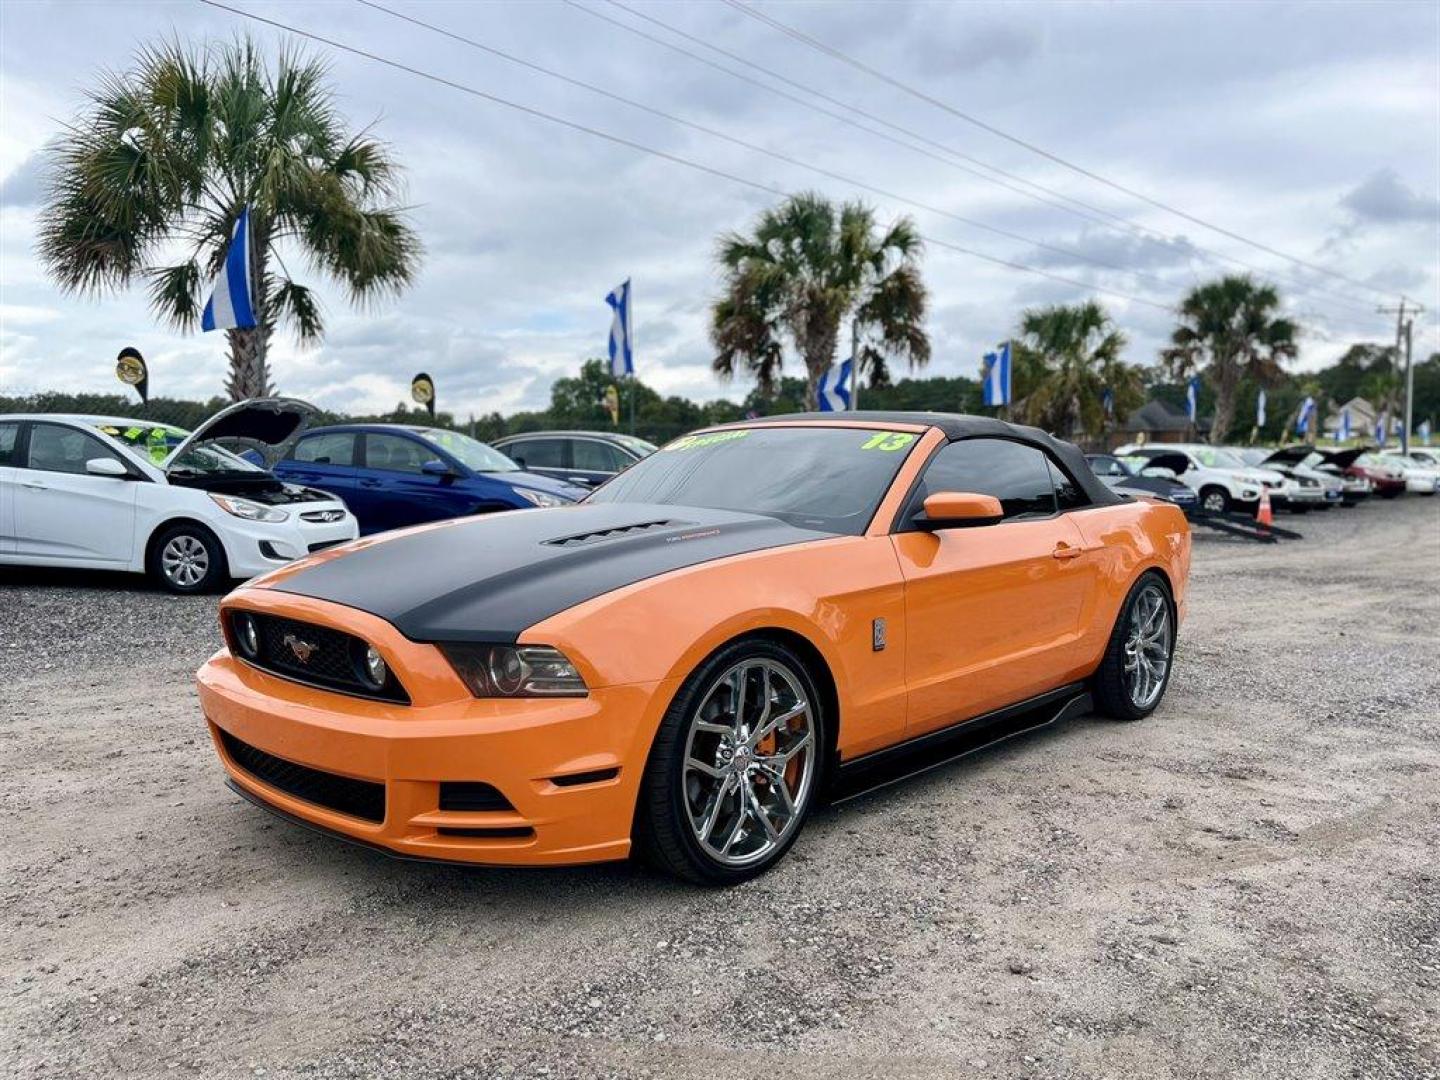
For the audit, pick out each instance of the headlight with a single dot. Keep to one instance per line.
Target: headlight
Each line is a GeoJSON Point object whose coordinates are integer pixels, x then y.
{"type": "Point", "coordinates": [373, 670]}
{"type": "Point", "coordinates": [246, 636]}
{"type": "Point", "coordinates": [541, 498]}
{"type": "Point", "coordinates": [515, 670]}
{"type": "Point", "coordinates": [250, 511]}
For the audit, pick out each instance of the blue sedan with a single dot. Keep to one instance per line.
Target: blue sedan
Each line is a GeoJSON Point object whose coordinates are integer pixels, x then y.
{"type": "Point", "coordinates": [393, 475]}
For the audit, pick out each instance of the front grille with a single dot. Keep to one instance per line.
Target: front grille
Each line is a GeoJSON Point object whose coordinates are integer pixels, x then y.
{"type": "Point", "coordinates": [314, 655]}
{"type": "Point", "coordinates": [322, 515]}
{"type": "Point", "coordinates": [471, 796]}
{"type": "Point", "coordinates": [358, 798]}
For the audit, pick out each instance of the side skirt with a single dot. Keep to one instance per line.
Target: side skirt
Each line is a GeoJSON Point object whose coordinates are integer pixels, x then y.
{"type": "Point", "coordinates": [933, 749]}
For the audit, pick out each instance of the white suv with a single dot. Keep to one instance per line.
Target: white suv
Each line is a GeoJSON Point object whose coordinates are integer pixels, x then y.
{"type": "Point", "coordinates": [109, 493]}
{"type": "Point", "coordinates": [1221, 479]}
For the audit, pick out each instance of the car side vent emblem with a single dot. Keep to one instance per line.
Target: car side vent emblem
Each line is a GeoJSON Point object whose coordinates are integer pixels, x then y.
{"type": "Point", "coordinates": [608, 534]}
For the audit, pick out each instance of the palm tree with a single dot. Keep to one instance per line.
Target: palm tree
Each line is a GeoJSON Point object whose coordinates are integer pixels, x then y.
{"type": "Point", "coordinates": [1229, 328]}
{"type": "Point", "coordinates": [1074, 351]}
{"type": "Point", "coordinates": [806, 268]}
{"type": "Point", "coordinates": [163, 159]}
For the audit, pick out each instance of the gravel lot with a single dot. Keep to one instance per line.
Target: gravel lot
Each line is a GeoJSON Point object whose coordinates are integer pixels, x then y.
{"type": "Point", "coordinates": [1245, 885]}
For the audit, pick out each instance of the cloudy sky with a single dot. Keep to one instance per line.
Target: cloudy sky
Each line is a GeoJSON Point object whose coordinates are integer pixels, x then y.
{"type": "Point", "coordinates": [1311, 128]}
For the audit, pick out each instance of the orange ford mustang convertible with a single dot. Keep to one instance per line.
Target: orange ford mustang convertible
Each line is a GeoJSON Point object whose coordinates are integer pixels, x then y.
{"type": "Point", "coordinates": [754, 618]}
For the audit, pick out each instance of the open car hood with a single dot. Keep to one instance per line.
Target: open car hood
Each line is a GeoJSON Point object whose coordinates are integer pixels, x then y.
{"type": "Point", "coordinates": [1342, 459]}
{"type": "Point", "coordinates": [267, 425]}
{"type": "Point", "coordinates": [1288, 455]}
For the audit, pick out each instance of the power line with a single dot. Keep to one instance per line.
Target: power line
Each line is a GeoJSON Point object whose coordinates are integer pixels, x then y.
{"type": "Point", "coordinates": [1071, 253]}
{"type": "Point", "coordinates": [1080, 209]}
{"type": "Point", "coordinates": [859, 65]}
{"type": "Point", "coordinates": [644, 149]}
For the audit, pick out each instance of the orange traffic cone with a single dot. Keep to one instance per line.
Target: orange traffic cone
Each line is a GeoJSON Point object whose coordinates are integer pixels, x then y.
{"type": "Point", "coordinates": [1265, 516]}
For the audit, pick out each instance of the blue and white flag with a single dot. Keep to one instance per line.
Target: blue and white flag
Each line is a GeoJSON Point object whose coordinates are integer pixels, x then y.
{"type": "Point", "coordinates": [997, 376]}
{"type": "Point", "coordinates": [1260, 408]}
{"type": "Point", "coordinates": [834, 391]}
{"type": "Point", "coordinates": [1192, 398]}
{"type": "Point", "coordinates": [622, 341]}
{"type": "Point", "coordinates": [1302, 422]}
{"type": "Point", "coordinates": [1107, 401]}
{"type": "Point", "coordinates": [1424, 432]}
{"type": "Point", "coordinates": [1342, 434]}
{"type": "Point", "coordinates": [1380, 426]}
{"type": "Point", "coordinates": [229, 306]}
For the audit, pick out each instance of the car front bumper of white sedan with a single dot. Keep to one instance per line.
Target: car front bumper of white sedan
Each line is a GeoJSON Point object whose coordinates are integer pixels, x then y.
{"type": "Point", "coordinates": [256, 547]}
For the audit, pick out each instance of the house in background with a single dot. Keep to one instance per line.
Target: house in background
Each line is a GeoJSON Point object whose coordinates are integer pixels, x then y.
{"type": "Point", "coordinates": [1362, 418]}
{"type": "Point", "coordinates": [1157, 421]}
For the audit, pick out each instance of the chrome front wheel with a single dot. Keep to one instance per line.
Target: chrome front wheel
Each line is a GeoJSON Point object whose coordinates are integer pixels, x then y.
{"type": "Point", "coordinates": [749, 762]}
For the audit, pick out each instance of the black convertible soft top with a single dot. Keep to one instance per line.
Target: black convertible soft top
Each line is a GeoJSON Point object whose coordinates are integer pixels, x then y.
{"type": "Point", "coordinates": [958, 426]}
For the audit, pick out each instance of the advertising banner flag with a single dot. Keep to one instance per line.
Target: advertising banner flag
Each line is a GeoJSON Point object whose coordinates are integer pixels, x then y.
{"type": "Point", "coordinates": [422, 391]}
{"type": "Point", "coordinates": [834, 391]}
{"type": "Point", "coordinates": [229, 305]}
{"type": "Point", "coordinates": [998, 376]}
{"type": "Point", "coordinates": [622, 344]}
{"type": "Point", "coordinates": [130, 369]}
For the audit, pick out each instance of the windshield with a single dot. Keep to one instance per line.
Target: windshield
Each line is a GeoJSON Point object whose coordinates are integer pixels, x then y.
{"type": "Point", "coordinates": [1214, 458]}
{"type": "Point", "coordinates": [828, 479]}
{"type": "Point", "coordinates": [155, 442]}
{"type": "Point", "coordinates": [637, 444]}
{"type": "Point", "coordinates": [1251, 455]}
{"type": "Point", "coordinates": [472, 453]}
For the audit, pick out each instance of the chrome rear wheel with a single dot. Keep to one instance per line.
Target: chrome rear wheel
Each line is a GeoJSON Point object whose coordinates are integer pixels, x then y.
{"type": "Point", "coordinates": [1148, 638]}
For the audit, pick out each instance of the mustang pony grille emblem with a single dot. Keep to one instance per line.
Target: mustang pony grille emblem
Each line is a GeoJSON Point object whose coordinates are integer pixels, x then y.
{"type": "Point", "coordinates": [303, 650]}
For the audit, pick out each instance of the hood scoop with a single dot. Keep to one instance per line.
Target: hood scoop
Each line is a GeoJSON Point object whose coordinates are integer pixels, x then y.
{"type": "Point", "coordinates": [599, 535]}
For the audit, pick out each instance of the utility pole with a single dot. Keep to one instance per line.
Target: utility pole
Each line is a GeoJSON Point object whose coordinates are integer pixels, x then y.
{"type": "Point", "coordinates": [1404, 338]}
{"type": "Point", "coordinates": [855, 364]}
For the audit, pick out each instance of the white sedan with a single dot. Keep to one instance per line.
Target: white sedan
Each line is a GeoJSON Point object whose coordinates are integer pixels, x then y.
{"type": "Point", "coordinates": [110, 493]}
{"type": "Point", "coordinates": [1221, 479]}
{"type": "Point", "coordinates": [1419, 476]}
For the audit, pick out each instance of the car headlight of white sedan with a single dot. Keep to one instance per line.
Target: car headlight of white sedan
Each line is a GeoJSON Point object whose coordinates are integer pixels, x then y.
{"type": "Point", "coordinates": [250, 511]}
{"type": "Point", "coordinates": [542, 498]}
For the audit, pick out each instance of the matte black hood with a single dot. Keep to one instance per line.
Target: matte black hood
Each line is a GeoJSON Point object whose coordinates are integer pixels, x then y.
{"type": "Point", "coordinates": [487, 579]}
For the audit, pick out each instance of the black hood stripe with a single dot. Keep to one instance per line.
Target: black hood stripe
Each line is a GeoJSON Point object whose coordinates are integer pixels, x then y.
{"type": "Point", "coordinates": [487, 579]}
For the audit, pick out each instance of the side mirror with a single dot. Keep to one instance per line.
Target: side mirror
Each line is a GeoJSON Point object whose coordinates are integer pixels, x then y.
{"type": "Point", "coordinates": [958, 510]}
{"type": "Point", "coordinates": [104, 466]}
{"type": "Point", "coordinates": [519, 459]}
{"type": "Point", "coordinates": [436, 467]}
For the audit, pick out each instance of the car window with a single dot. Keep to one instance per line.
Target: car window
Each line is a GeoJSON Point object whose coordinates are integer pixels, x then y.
{"type": "Point", "coordinates": [64, 449]}
{"type": "Point", "coordinates": [1016, 474]}
{"type": "Point", "coordinates": [472, 453]}
{"type": "Point", "coordinates": [596, 456]}
{"type": "Point", "coordinates": [396, 453]}
{"type": "Point", "coordinates": [1104, 465]}
{"type": "Point", "coordinates": [326, 448]}
{"type": "Point", "coordinates": [539, 453]}
{"type": "Point", "coordinates": [1216, 458]}
{"type": "Point", "coordinates": [9, 434]}
{"type": "Point", "coordinates": [1068, 494]}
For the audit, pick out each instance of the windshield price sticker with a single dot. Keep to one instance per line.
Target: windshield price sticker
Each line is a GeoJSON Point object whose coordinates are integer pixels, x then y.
{"type": "Point", "coordinates": [889, 440]}
{"type": "Point", "coordinates": [695, 442]}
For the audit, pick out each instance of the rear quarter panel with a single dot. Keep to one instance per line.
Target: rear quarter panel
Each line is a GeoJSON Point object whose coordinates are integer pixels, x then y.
{"type": "Point", "coordinates": [1126, 541]}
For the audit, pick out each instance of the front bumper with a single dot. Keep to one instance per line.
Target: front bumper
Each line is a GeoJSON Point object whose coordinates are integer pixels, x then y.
{"type": "Point", "coordinates": [531, 751]}
{"type": "Point", "coordinates": [257, 547]}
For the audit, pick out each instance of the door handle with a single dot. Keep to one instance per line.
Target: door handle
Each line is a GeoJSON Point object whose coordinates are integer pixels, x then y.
{"type": "Point", "coordinates": [35, 484]}
{"type": "Point", "coordinates": [370, 483]}
{"type": "Point", "coordinates": [1065, 551]}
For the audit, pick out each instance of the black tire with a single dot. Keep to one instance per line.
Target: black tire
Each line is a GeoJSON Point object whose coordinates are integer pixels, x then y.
{"type": "Point", "coordinates": [1112, 696]}
{"type": "Point", "coordinates": [664, 836]}
{"type": "Point", "coordinates": [207, 569]}
{"type": "Point", "coordinates": [1214, 500]}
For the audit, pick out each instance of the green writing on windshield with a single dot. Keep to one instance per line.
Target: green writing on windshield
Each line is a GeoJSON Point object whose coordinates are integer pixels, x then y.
{"type": "Point", "coordinates": [695, 442]}
{"type": "Point", "coordinates": [889, 440]}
